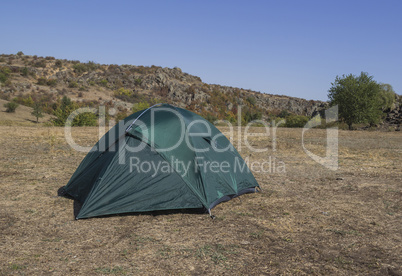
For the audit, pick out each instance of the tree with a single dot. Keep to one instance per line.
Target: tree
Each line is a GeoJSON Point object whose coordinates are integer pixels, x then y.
{"type": "Point", "coordinates": [63, 110]}
{"type": "Point", "coordinates": [387, 96]}
{"type": "Point", "coordinates": [357, 97]}
{"type": "Point", "coordinates": [37, 111]}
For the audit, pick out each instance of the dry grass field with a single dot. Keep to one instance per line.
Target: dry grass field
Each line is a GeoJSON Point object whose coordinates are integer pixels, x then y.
{"type": "Point", "coordinates": [308, 221]}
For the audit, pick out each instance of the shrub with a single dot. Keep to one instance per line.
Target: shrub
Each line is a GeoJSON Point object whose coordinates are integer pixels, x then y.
{"type": "Point", "coordinates": [58, 63]}
{"type": "Point", "coordinates": [103, 82]}
{"type": "Point", "coordinates": [140, 106]}
{"type": "Point", "coordinates": [296, 121]}
{"type": "Point", "coordinates": [42, 81]}
{"type": "Point", "coordinates": [73, 84]}
{"type": "Point", "coordinates": [137, 82]}
{"type": "Point", "coordinates": [25, 72]}
{"type": "Point", "coordinates": [120, 116]}
{"type": "Point", "coordinates": [51, 82]}
{"type": "Point", "coordinates": [252, 100]}
{"type": "Point", "coordinates": [283, 114]}
{"type": "Point", "coordinates": [4, 74]}
{"type": "Point", "coordinates": [210, 117]}
{"type": "Point", "coordinates": [20, 53]}
{"type": "Point", "coordinates": [85, 67]}
{"type": "Point", "coordinates": [123, 92]}
{"type": "Point", "coordinates": [40, 63]}
{"type": "Point", "coordinates": [11, 107]}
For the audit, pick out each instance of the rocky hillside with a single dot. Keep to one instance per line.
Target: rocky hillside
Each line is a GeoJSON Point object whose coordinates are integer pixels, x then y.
{"type": "Point", "coordinates": [122, 86]}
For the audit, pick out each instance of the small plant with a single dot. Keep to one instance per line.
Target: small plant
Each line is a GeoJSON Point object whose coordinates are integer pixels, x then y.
{"type": "Point", "coordinates": [251, 100]}
{"type": "Point", "coordinates": [137, 82]}
{"type": "Point", "coordinates": [20, 53]}
{"type": "Point", "coordinates": [140, 106]}
{"type": "Point", "coordinates": [103, 82]}
{"type": "Point", "coordinates": [40, 63]}
{"type": "Point", "coordinates": [42, 81]}
{"type": "Point", "coordinates": [4, 74]}
{"type": "Point", "coordinates": [51, 82]}
{"type": "Point", "coordinates": [11, 107]}
{"type": "Point", "coordinates": [73, 84]}
{"type": "Point", "coordinates": [58, 63]}
{"type": "Point", "coordinates": [283, 114]}
{"type": "Point", "coordinates": [25, 72]}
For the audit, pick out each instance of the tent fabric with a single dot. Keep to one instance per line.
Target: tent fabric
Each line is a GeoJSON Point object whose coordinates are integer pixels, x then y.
{"type": "Point", "coordinates": [163, 161]}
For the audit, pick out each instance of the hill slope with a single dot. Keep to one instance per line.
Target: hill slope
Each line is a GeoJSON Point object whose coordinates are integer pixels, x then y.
{"type": "Point", "coordinates": [22, 116]}
{"type": "Point", "coordinates": [121, 86]}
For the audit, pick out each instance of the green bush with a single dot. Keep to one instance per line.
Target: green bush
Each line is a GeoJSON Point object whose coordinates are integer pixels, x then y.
{"type": "Point", "coordinates": [25, 72]}
{"type": "Point", "coordinates": [283, 114]}
{"type": "Point", "coordinates": [140, 106]}
{"type": "Point", "coordinates": [137, 82]}
{"type": "Point", "coordinates": [51, 82]}
{"type": "Point", "coordinates": [42, 81]}
{"type": "Point", "coordinates": [85, 67]}
{"type": "Point", "coordinates": [73, 84]}
{"type": "Point", "coordinates": [11, 107]}
{"type": "Point", "coordinates": [58, 63]}
{"type": "Point", "coordinates": [4, 74]}
{"type": "Point", "coordinates": [103, 82]}
{"type": "Point", "coordinates": [126, 95]}
{"type": "Point", "coordinates": [40, 63]}
{"type": "Point", "coordinates": [296, 121]}
{"type": "Point", "coordinates": [252, 100]}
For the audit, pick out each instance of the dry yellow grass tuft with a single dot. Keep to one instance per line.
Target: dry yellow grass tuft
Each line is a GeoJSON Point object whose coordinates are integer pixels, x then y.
{"type": "Point", "coordinates": [308, 220]}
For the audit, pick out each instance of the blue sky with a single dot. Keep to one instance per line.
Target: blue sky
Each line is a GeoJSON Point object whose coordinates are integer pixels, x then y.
{"type": "Point", "coordinates": [294, 48]}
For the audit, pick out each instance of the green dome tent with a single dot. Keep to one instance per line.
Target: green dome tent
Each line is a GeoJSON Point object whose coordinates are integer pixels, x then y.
{"type": "Point", "coordinates": [161, 158]}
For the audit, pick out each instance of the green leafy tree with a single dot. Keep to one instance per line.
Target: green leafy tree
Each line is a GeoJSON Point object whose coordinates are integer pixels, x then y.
{"type": "Point", "coordinates": [387, 96]}
{"type": "Point", "coordinates": [62, 112]}
{"type": "Point", "coordinates": [66, 107]}
{"type": "Point", "coordinates": [37, 111]}
{"type": "Point", "coordinates": [358, 98]}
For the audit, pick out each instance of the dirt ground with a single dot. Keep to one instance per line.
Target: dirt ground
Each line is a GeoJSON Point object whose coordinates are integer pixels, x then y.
{"type": "Point", "coordinates": [309, 220]}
